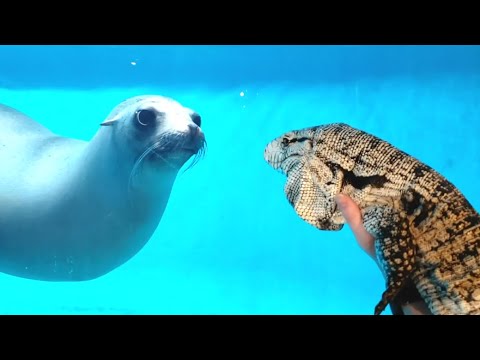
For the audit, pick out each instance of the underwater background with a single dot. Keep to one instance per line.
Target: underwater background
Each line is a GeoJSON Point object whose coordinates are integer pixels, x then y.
{"type": "Point", "coordinates": [229, 242]}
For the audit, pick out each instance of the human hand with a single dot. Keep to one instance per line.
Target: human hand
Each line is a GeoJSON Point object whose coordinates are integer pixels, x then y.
{"type": "Point", "coordinates": [353, 217]}
{"type": "Point", "coordinates": [351, 213]}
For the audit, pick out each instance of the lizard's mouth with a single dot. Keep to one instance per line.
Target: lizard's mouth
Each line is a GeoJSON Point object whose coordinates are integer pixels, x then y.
{"type": "Point", "coordinates": [280, 162]}
{"type": "Point", "coordinates": [274, 156]}
{"type": "Point", "coordinates": [287, 165]}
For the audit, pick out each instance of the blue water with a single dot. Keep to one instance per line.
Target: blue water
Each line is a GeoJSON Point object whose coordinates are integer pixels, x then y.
{"type": "Point", "coordinates": [229, 242]}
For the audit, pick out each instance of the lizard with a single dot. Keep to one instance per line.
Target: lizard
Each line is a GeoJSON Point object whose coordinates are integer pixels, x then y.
{"type": "Point", "coordinates": [427, 234]}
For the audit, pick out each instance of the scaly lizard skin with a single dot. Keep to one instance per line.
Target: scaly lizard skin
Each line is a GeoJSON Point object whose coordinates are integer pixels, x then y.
{"type": "Point", "coordinates": [426, 232]}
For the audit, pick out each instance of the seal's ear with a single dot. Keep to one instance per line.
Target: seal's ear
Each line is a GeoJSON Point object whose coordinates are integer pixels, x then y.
{"type": "Point", "coordinates": [111, 121]}
{"type": "Point", "coordinates": [108, 122]}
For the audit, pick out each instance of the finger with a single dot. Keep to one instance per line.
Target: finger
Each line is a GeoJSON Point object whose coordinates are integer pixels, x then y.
{"type": "Point", "coordinates": [350, 211]}
{"type": "Point", "coordinates": [353, 217]}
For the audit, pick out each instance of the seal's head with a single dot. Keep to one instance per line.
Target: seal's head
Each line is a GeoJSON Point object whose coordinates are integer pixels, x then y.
{"type": "Point", "coordinates": [158, 129]}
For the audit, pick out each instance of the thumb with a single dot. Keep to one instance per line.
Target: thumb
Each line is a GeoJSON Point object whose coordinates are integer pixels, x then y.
{"type": "Point", "coordinates": [350, 211]}
{"type": "Point", "coordinates": [353, 217]}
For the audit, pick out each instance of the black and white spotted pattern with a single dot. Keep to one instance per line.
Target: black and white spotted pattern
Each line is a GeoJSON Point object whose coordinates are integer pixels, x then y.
{"type": "Point", "coordinates": [427, 234]}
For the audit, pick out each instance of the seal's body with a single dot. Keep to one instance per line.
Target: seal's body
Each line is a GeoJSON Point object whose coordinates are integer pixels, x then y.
{"type": "Point", "coordinates": [73, 210]}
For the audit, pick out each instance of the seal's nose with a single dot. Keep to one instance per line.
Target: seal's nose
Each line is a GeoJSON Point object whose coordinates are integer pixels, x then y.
{"type": "Point", "coordinates": [194, 130]}
{"type": "Point", "coordinates": [197, 119]}
{"type": "Point", "coordinates": [195, 136]}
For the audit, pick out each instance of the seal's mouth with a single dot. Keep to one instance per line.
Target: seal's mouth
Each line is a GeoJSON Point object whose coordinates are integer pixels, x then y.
{"type": "Point", "coordinates": [190, 149]}
{"type": "Point", "coordinates": [173, 143]}
{"type": "Point", "coordinates": [174, 150]}
{"type": "Point", "coordinates": [190, 146]}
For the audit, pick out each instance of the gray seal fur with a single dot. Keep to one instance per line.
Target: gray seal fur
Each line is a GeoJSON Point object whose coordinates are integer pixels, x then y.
{"type": "Point", "coordinates": [73, 210]}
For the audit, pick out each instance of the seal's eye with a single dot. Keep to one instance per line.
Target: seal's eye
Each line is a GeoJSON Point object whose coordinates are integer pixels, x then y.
{"type": "Point", "coordinates": [146, 117]}
{"type": "Point", "coordinates": [285, 141]}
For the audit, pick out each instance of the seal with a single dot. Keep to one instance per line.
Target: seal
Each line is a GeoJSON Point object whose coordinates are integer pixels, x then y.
{"type": "Point", "coordinates": [73, 210]}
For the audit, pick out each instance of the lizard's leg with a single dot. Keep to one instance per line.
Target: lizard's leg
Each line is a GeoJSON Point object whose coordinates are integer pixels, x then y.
{"type": "Point", "coordinates": [394, 248]}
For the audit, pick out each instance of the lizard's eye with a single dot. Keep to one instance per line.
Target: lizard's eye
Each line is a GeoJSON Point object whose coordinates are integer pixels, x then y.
{"type": "Point", "coordinates": [285, 141]}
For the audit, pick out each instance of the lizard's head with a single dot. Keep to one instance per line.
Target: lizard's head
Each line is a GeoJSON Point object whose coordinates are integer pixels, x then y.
{"type": "Point", "coordinates": [319, 141]}
{"type": "Point", "coordinates": [285, 151]}
{"type": "Point", "coordinates": [311, 183]}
